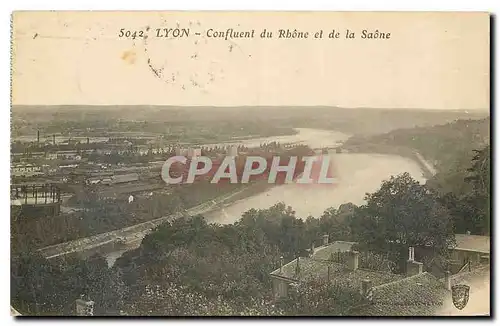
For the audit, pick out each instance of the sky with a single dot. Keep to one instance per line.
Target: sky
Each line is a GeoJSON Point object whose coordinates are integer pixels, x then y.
{"type": "Point", "coordinates": [430, 61]}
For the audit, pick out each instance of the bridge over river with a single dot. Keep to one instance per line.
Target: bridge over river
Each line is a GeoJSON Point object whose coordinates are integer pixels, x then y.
{"type": "Point", "coordinates": [357, 174]}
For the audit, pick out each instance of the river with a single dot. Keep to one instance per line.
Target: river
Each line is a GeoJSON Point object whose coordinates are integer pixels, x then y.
{"type": "Point", "coordinates": [356, 174]}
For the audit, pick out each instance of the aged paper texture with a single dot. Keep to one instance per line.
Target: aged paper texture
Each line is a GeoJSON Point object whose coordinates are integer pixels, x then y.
{"type": "Point", "coordinates": [250, 164]}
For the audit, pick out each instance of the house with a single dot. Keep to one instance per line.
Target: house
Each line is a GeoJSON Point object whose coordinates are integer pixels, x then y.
{"type": "Point", "coordinates": [425, 295]}
{"type": "Point", "coordinates": [417, 295]}
{"type": "Point", "coordinates": [471, 248]}
{"type": "Point", "coordinates": [320, 265]}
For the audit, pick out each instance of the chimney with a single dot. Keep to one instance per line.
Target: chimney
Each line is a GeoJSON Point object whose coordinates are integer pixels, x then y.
{"type": "Point", "coordinates": [447, 280]}
{"type": "Point", "coordinates": [88, 140]}
{"type": "Point", "coordinates": [297, 267]}
{"type": "Point", "coordinates": [53, 139]}
{"type": "Point", "coordinates": [411, 254]}
{"type": "Point", "coordinates": [312, 248]}
{"type": "Point", "coordinates": [281, 264]}
{"type": "Point", "coordinates": [413, 267]}
{"type": "Point", "coordinates": [38, 136]}
{"type": "Point", "coordinates": [366, 285]}
{"type": "Point", "coordinates": [84, 307]}
{"type": "Point", "coordinates": [353, 260]}
{"type": "Point", "coordinates": [325, 240]}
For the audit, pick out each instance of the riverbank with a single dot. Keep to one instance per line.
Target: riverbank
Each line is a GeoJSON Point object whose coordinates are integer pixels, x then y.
{"type": "Point", "coordinates": [428, 170]}
{"type": "Point", "coordinates": [134, 234]}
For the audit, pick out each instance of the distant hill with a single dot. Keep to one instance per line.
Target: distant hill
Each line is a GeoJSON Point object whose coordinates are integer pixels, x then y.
{"type": "Point", "coordinates": [357, 121]}
{"type": "Point", "coordinates": [448, 147]}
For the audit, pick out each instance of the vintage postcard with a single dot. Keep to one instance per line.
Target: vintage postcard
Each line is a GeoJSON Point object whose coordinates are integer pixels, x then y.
{"type": "Point", "coordinates": [250, 164]}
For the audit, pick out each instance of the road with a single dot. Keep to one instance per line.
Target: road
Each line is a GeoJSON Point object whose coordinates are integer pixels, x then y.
{"type": "Point", "coordinates": [129, 235]}
{"type": "Point", "coordinates": [428, 166]}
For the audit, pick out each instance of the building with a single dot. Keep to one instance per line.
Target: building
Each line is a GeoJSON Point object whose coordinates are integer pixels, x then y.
{"type": "Point", "coordinates": [69, 155]}
{"type": "Point", "coordinates": [467, 252]}
{"type": "Point", "coordinates": [188, 152]}
{"type": "Point", "coordinates": [470, 248]}
{"type": "Point", "coordinates": [321, 265]}
{"type": "Point", "coordinates": [25, 170]}
{"type": "Point", "coordinates": [124, 178]}
{"type": "Point", "coordinates": [35, 200]}
{"type": "Point", "coordinates": [194, 152]}
{"type": "Point", "coordinates": [425, 295]}
{"type": "Point", "coordinates": [103, 179]}
{"type": "Point", "coordinates": [417, 295]}
{"type": "Point", "coordinates": [232, 151]}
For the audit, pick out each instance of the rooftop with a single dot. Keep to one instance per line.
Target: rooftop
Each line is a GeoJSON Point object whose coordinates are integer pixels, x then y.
{"type": "Point", "coordinates": [421, 294]}
{"type": "Point", "coordinates": [310, 268]}
{"type": "Point", "coordinates": [477, 243]}
{"type": "Point", "coordinates": [325, 252]}
{"type": "Point", "coordinates": [319, 265]}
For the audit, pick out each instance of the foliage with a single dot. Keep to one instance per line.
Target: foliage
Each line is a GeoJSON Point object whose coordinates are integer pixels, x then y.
{"type": "Point", "coordinates": [467, 197]}
{"type": "Point", "coordinates": [42, 287]}
{"type": "Point", "coordinates": [400, 214]}
{"type": "Point", "coordinates": [320, 298]}
{"type": "Point", "coordinates": [229, 263]}
{"type": "Point", "coordinates": [448, 146]}
{"type": "Point", "coordinates": [171, 299]}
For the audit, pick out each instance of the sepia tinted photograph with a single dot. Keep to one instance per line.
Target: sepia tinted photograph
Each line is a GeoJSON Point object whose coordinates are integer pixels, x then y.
{"type": "Point", "coordinates": [266, 164]}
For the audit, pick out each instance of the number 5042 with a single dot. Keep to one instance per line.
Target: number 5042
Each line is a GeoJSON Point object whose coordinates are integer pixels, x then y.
{"type": "Point", "coordinates": [130, 34]}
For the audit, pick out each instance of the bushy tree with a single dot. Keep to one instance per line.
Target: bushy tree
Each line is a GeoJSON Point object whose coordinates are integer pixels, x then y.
{"type": "Point", "coordinates": [320, 298]}
{"type": "Point", "coordinates": [466, 193]}
{"type": "Point", "coordinates": [400, 214]}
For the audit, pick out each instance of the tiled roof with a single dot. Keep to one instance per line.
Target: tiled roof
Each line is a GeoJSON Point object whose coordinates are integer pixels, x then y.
{"type": "Point", "coordinates": [310, 268]}
{"type": "Point", "coordinates": [477, 243]}
{"type": "Point", "coordinates": [316, 267]}
{"type": "Point", "coordinates": [380, 310]}
{"type": "Point", "coordinates": [421, 294]}
{"type": "Point", "coordinates": [324, 253]}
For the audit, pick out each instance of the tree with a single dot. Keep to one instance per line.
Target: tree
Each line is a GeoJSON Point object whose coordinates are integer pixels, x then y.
{"type": "Point", "coordinates": [466, 193]}
{"type": "Point", "coordinates": [479, 178]}
{"type": "Point", "coordinates": [400, 214]}
{"type": "Point", "coordinates": [320, 298]}
{"type": "Point", "coordinates": [50, 287]}
{"type": "Point", "coordinates": [335, 222]}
